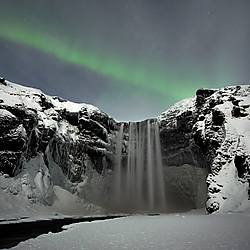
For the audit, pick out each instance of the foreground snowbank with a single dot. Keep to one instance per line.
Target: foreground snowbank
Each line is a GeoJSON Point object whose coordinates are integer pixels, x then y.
{"type": "Point", "coordinates": [16, 209]}
{"type": "Point", "coordinates": [175, 231]}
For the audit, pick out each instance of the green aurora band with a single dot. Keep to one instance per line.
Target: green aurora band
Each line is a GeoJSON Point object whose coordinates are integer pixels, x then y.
{"type": "Point", "coordinates": [177, 82]}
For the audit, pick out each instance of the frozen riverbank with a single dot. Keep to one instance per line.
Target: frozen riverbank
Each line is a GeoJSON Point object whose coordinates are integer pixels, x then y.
{"type": "Point", "coordinates": [193, 230]}
{"type": "Point", "coordinates": [14, 233]}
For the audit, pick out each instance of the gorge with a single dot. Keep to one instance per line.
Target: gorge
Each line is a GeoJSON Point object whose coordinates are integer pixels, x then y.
{"type": "Point", "coordinates": [195, 154]}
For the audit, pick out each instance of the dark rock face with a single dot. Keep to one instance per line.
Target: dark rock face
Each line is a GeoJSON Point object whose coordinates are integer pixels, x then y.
{"type": "Point", "coordinates": [178, 141]}
{"type": "Point", "coordinates": [241, 165]}
{"type": "Point", "coordinates": [2, 81]}
{"type": "Point", "coordinates": [9, 161]}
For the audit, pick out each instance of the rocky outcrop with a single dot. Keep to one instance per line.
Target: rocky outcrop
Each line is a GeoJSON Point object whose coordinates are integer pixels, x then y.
{"type": "Point", "coordinates": [212, 131]}
{"type": "Point", "coordinates": [47, 141]}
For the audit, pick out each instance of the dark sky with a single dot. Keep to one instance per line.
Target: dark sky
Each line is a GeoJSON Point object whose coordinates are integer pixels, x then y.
{"type": "Point", "coordinates": [131, 58]}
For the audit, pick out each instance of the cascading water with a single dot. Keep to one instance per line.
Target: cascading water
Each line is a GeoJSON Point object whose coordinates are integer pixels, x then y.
{"type": "Point", "coordinates": [139, 181]}
{"type": "Point", "coordinates": [118, 163]}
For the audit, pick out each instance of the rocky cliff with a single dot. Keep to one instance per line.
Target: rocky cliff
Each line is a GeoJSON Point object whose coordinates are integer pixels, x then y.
{"type": "Point", "coordinates": [48, 142]}
{"type": "Point", "coordinates": [212, 131]}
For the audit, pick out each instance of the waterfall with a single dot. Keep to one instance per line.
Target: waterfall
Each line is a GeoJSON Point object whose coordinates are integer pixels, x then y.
{"type": "Point", "coordinates": [139, 181]}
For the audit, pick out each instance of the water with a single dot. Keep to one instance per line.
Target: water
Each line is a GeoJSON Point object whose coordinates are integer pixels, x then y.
{"type": "Point", "coordinates": [118, 162]}
{"type": "Point", "coordinates": [139, 181]}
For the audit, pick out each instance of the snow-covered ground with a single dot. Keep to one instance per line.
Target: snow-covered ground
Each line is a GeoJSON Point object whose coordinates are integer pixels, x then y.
{"type": "Point", "coordinates": [192, 230]}
{"type": "Point", "coordinates": [15, 209]}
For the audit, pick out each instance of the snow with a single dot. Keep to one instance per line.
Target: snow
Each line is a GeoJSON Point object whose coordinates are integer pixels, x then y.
{"type": "Point", "coordinates": [4, 114]}
{"type": "Point", "coordinates": [17, 209]}
{"type": "Point", "coordinates": [178, 108]}
{"type": "Point", "coordinates": [14, 94]}
{"type": "Point", "coordinates": [23, 197]}
{"type": "Point", "coordinates": [193, 230]}
{"type": "Point", "coordinates": [66, 203]}
{"type": "Point", "coordinates": [232, 195]}
{"type": "Point", "coordinates": [73, 107]}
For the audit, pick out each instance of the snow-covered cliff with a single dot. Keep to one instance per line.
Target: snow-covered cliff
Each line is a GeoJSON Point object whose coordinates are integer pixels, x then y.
{"type": "Point", "coordinates": [212, 131]}
{"type": "Point", "coordinates": [53, 151]}
{"type": "Point", "coordinates": [47, 142]}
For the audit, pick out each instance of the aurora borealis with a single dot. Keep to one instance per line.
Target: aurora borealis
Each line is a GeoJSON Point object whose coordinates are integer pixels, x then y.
{"type": "Point", "coordinates": [133, 59]}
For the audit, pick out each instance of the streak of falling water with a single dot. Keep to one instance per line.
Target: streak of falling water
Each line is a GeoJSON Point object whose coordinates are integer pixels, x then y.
{"type": "Point", "coordinates": [118, 163]}
{"type": "Point", "coordinates": [150, 176]}
{"type": "Point", "coordinates": [133, 156]}
{"type": "Point", "coordinates": [140, 164]}
{"type": "Point", "coordinates": [128, 170]}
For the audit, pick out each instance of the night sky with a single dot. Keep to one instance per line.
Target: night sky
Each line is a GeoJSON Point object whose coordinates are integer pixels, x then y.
{"type": "Point", "coordinates": [133, 59]}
